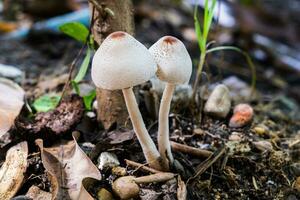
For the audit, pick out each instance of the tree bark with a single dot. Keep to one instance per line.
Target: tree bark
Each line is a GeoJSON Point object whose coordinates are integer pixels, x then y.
{"type": "Point", "coordinates": [110, 16]}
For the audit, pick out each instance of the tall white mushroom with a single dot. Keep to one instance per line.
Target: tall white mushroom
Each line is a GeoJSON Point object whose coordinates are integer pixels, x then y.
{"type": "Point", "coordinates": [174, 67]}
{"type": "Point", "coordinates": [122, 62]}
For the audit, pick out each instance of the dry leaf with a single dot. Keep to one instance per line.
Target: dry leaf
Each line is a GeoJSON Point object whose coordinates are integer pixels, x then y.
{"type": "Point", "coordinates": [67, 165]}
{"type": "Point", "coordinates": [11, 103]}
{"type": "Point", "coordinates": [12, 170]}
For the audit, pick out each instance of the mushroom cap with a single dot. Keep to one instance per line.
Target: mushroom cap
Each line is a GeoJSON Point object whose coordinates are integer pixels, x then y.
{"type": "Point", "coordinates": [173, 60]}
{"type": "Point", "coordinates": [122, 62]}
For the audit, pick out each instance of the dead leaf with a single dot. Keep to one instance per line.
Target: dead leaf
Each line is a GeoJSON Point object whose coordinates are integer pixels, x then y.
{"type": "Point", "coordinates": [36, 193]}
{"type": "Point", "coordinates": [67, 165]}
{"type": "Point", "coordinates": [12, 170]}
{"type": "Point", "coordinates": [11, 103]}
{"type": "Point", "coordinates": [118, 137]}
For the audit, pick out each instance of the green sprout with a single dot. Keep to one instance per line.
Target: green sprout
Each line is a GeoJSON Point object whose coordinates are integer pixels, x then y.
{"type": "Point", "coordinates": [80, 33]}
{"type": "Point", "coordinates": [202, 36]}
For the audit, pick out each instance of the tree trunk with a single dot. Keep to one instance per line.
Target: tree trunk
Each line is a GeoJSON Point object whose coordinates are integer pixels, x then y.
{"type": "Point", "coordinates": [110, 16]}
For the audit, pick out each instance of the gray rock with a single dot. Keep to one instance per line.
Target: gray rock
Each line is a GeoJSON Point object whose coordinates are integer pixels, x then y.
{"type": "Point", "coordinates": [11, 72]}
{"type": "Point", "coordinates": [107, 160]}
{"type": "Point", "coordinates": [219, 102]}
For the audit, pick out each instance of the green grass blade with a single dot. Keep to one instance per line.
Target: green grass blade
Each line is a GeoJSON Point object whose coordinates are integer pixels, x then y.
{"type": "Point", "coordinates": [245, 54]}
{"type": "Point", "coordinates": [88, 99]}
{"type": "Point", "coordinates": [197, 27]}
{"type": "Point", "coordinates": [84, 66]}
{"type": "Point", "coordinates": [220, 48]}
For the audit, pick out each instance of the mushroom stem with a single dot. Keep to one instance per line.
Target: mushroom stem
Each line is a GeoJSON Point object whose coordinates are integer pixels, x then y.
{"type": "Point", "coordinates": [163, 128]}
{"type": "Point", "coordinates": [149, 149]}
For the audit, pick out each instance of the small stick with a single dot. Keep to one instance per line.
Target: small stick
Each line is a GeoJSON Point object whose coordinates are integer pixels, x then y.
{"type": "Point", "coordinates": [190, 150]}
{"type": "Point", "coordinates": [141, 166]}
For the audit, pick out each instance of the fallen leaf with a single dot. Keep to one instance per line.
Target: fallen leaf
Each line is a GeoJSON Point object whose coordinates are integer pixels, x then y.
{"type": "Point", "coordinates": [67, 165]}
{"type": "Point", "coordinates": [118, 137]}
{"type": "Point", "coordinates": [12, 170]}
{"type": "Point", "coordinates": [11, 103]}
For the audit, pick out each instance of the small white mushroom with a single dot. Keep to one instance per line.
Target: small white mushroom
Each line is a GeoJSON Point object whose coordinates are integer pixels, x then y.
{"type": "Point", "coordinates": [127, 187]}
{"type": "Point", "coordinates": [122, 62]}
{"type": "Point", "coordinates": [174, 67]}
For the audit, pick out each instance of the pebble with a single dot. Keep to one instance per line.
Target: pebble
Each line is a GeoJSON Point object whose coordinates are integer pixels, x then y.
{"type": "Point", "coordinates": [103, 194]}
{"type": "Point", "coordinates": [235, 136]}
{"type": "Point", "coordinates": [11, 72]}
{"type": "Point", "coordinates": [219, 102]}
{"type": "Point", "coordinates": [260, 130]}
{"type": "Point", "coordinates": [242, 115]}
{"type": "Point", "coordinates": [263, 145]}
{"type": "Point", "coordinates": [107, 160]}
{"type": "Point", "coordinates": [119, 171]}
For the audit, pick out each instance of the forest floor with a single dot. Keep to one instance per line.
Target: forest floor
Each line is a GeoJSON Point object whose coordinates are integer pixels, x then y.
{"type": "Point", "coordinates": [257, 161]}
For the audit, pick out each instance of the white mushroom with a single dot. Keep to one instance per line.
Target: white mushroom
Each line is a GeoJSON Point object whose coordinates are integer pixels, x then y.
{"type": "Point", "coordinates": [174, 67]}
{"type": "Point", "coordinates": [122, 62]}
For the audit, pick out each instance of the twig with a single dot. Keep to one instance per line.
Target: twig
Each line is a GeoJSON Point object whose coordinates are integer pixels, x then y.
{"type": "Point", "coordinates": [141, 166]}
{"type": "Point", "coordinates": [72, 66]}
{"type": "Point", "coordinates": [207, 163]}
{"type": "Point", "coordinates": [190, 150]}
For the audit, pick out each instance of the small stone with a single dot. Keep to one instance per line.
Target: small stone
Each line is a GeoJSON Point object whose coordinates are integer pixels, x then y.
{"type": "Point", "coordinates": [198, 131]}
{"type": "Point", "coordinates": [103, 194]}
{"type": "Point", "coordinates": [263, 145]}
{"type": "Point", "coordinates": [242, 115]}
{"type": "Point", "coordinates": [235, 136]}
{"type": "Point", "coordinates": [260, 130]}
{"type": "Point", "coordinates": [107, 160]}
{"type": "Point", "coordinates": [11, 72]}
{"type": "Point", "coordinates": [119, 171]}
{"type": "Point", "coordinates": [219, 102]}
{"type": "Point", "coordinates": [91, 114]}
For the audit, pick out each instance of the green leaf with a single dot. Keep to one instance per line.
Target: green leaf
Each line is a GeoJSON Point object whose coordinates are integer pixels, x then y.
{"type": "Point", "coordinates": [76, 87]}
{"type": "Point", "coordinates": [84, 67]}
{"type": "Point", "coordinates": [75, 30]}
{"type": "Point", "coordinates": [46, 102]}
{"type": "Point", "coordinates": [88, 99]}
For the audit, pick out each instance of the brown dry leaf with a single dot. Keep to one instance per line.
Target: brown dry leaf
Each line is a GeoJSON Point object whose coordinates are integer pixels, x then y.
{"type": "Point", "coordinates": [11, 103]}
{"type": "Point", "coordinates": [181, 190]}
{"type": "Point", "coordinates": [67, 165]}
{"type": "Point", "coordinates": [12, 170]}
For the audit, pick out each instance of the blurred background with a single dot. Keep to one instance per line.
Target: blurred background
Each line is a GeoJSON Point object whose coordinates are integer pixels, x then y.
{"type": "Point", "coordinates": [268, 31]}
